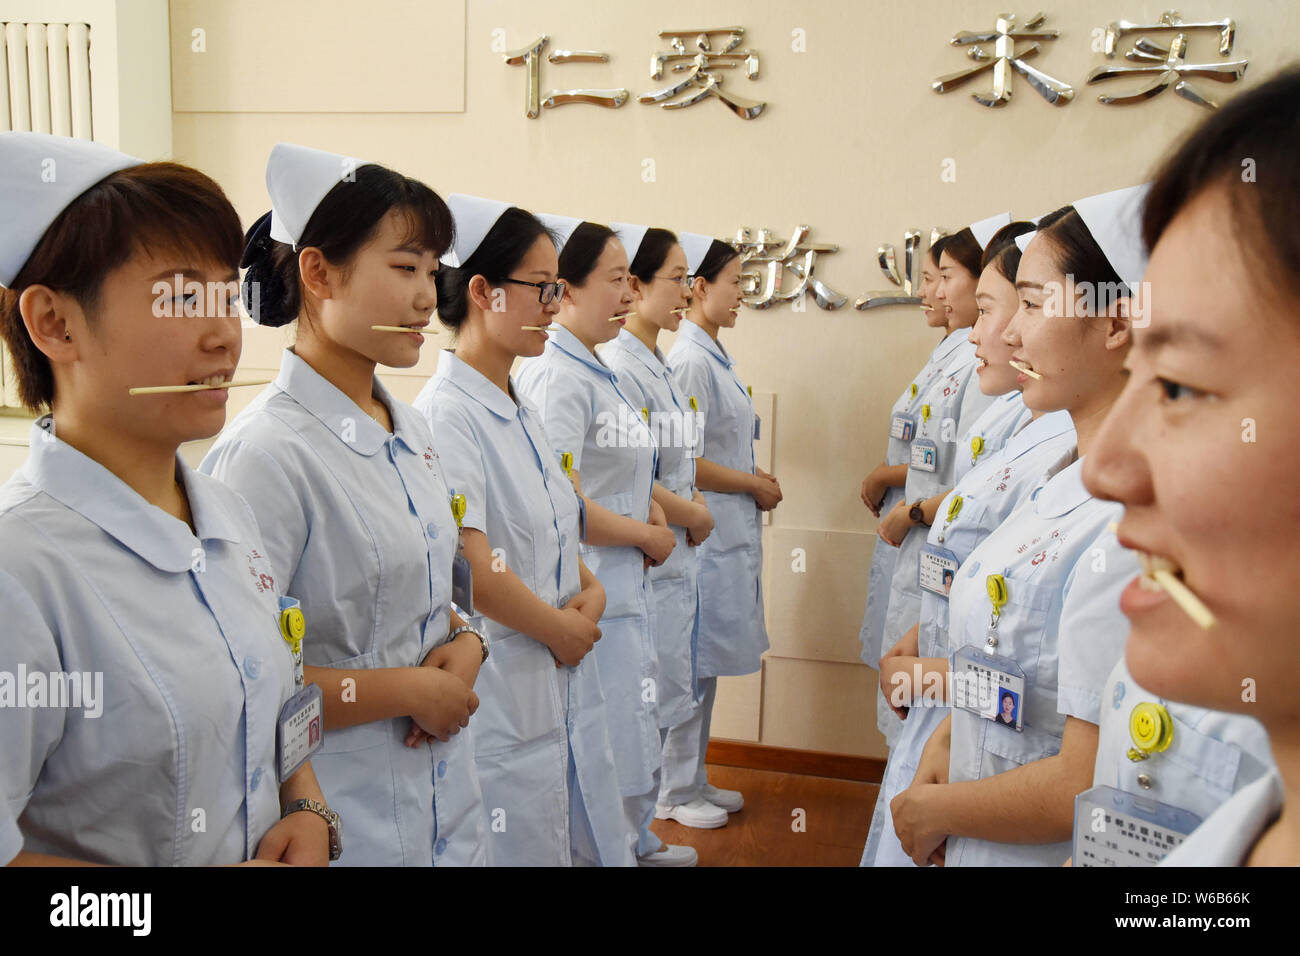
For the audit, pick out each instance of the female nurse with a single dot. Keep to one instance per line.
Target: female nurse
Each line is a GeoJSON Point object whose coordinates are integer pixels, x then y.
{"type": "Point", "coordinates": [613, 461]}
{"type": "Point", "coordinates": [949, 405]}
{"type": "Point", "coordinates": [914, 672]}
{"type": "Point", "coordinates": [732, 631]}
{"type": "Point", "coordinates": [882, 489]}
{"type": "Point", "coordinates": [541, 737]}
{"type": "Point", "coordinates": [660, 293]}
{"type": "Point", "coordinates": [137, 586]}
{"type": "Point", "coordinates": [1200, 451]}
{"type": "Point", "coordinates": [350, 497]}
{"type": "Point", "coordinates": [1034, 608]}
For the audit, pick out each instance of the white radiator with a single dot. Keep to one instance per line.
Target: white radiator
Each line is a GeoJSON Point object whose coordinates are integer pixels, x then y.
{"type": "Point", "coordinates": [45, 79]}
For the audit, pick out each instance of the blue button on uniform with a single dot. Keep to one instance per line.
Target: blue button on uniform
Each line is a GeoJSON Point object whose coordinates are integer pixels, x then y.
{"type": "Point", "coordinates": [440, 846]}
{"type": "Point", "coordinates": [256, 780]}
{"type": "Point", "coordinates": [442, 768]}
{"type": "Point", "coordinates": [564, 540]}
{"type": "Point", "coordinates": [252, 667]}
{"type": "Point", "coordinates": [432, 529]}
{"type": "Point", "coordinates": [1118, 695]}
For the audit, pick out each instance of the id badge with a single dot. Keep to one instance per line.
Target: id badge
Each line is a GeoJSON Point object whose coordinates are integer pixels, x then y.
{"type": "Point", "coordinates": [902, 427]}
{"type": "Point", "coordinates": [1114, 828]}
{"type": "Point", "coordinates": [938, 568]}
{"type": "Point", "coordinates": [299, 731]}
{"type": "Point", "coordinates": [925, 455]}
{"type": "Point", "coordinates": [758, 428]}
{"type": "Point", "coordinates": [989, 687]}
{"type": "Point", "coordinates": [462, 583]}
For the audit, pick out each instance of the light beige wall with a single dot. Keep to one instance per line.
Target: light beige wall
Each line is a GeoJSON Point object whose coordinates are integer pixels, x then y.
{"type": "Point", "coordinates": [853, 144]}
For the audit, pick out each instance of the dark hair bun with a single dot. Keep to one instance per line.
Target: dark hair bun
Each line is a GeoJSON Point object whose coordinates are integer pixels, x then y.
{"type": "Point", "coordinates": [263, 289]}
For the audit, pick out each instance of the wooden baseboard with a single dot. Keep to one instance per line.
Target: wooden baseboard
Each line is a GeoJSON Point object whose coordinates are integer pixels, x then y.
{"type": "Point", "coordinates": [812, 763]}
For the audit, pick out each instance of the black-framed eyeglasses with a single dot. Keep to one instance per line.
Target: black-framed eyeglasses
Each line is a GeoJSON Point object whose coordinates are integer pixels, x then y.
{"type": "Point", "coordinates": [547, 291]}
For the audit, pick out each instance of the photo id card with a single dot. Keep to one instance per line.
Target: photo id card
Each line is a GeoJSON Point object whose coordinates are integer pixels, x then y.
{"type": "Point", "coordinates": [462, 583]}
{"type": "Point", "coordinates": [300, 730]}
{"type": "Point", "coordinates": [925, 455]}
{"type": "Point", "coordinates": [1114, 828]}
{"type": "Point", "coordinates": [937, 570]}
{"type": "Point", "coordinates": [989, 686]}
{"type": "Point", "coordinates": [902, 427]}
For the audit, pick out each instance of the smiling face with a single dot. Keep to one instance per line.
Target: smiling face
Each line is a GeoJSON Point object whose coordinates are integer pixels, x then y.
{"type": "Point", "coordinates": [656, 301]}
{"type": "Point", "coordinates": [936, 316]}
{"type": "Point", "coordinates": [1077, 354]}
{"type": "Point", "coordinates": [720, 299]}
{"type": "Point", "coordinates": [510, 307]}
{"type": "Point", "coordinates": [137, 335]}
{"type": "Point", "coordinates": [1201, 451]}
{"type": "Point", "coordinates": [389, 281]}
{"type": "Point", "coordinates": [605, 292]}
{"type": "Point", "coordinates": [997, 302]}
{"type": "Point", "coordinates": [955, 293]}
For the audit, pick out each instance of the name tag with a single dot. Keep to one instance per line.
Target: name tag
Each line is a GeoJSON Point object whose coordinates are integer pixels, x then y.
{"type": "Point", "coordinates": [902, 427]}
{"type": "Point", "coordinates": [299, 730]}
{"type": "Point", "coordinates": [989, 687]}
{"type": "Point", "coordinates": [938, 568]}
{"type": "Point", "coordinates": [462, 583]}
{"type": "Point", "coordinates": [1114, 828]}
{"type": "Point", "coordinates": [925, 455]}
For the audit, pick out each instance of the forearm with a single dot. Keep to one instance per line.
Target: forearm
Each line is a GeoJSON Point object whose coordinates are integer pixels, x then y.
{"type": "Point", "coordinates": [930, 506]}
{"type": "Point", "coordinates": [710, 476]}
{"type": "Point", "coordinates": [301, 786]}
{"type": "Point", "coordinates": [893, 476]}
{"type": "Point", "coordinates": [610, 530]}
{"type": "Point", "coordinates": [354, 696]}
{"type": "Point", "coordinates": [678, 510]}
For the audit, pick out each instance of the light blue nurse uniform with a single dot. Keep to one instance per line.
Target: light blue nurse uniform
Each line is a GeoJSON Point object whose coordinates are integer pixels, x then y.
{"type": "Point", "coordinates": [733, 631]}
{"type": "Point", "coordinates": [1211, 756]}
{"type": "Point", "coordinates": [644, 377]}
{"type": "Point", "coordinates": [1061, 625]}
{"type": "Point", "coordinates": [358, 524]}
{"type": "Point", "coordinates": [1004, 417]}
{"type": "Point", "coordinates": [541, 739]}
{"type": "Point", "coordinates": [174, 764]}
{"type": "Point", "coordinates": [954, 402]}
{"type": "Point", "coordinates": [898, 452]}
{"type": "Point", "coordinates": [988, 493]}
{"type": "Point", "coordinates": [614, 453]}
{"type": "Point", "coordinates": [1230, 833]}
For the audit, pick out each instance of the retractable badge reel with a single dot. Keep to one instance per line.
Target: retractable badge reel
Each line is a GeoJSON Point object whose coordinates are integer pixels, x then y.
{"type": "Point", "coordinates": [986, 683]}
{"type": "Point", "coordinates": [462, 575]}
{"type": "Point", "coordinates": [566, 463]}
{"type": "Point", "coordinates": [697, 433]}
{"type": "Point", "coordinates": [925, 453]}
{"type": "Point", "coordinates": [938, 566]}
{"type": "Point", "coordinates": [300, 727]}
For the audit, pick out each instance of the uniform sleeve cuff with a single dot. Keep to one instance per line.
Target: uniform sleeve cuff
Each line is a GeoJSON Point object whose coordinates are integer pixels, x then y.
{"type": "Point", "coordinates": [11, 840]}
{"type": "Point", "coordinates": [1079, 702]}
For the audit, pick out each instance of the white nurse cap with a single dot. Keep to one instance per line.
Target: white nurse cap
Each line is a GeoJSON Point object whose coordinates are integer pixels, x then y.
{"type": "Point", "coordinates": [1115, 221]}
{"type": "Point", "coordinates": [40, 176]}
{"type": "Point", "coordinates": [1022, 240]}
{"type": "Point", "coordinates": [631, 236]}
{"type": "Point", "coordinates": [474, 217]}
{"type": "Point", "coordinates": [696, 248]}
{"type": "Point", "coordinates": [986, 229]}
{"type": "Point", "coordinates": [298, 178]}
{"type": "Point", "coordinates": [562, 226]}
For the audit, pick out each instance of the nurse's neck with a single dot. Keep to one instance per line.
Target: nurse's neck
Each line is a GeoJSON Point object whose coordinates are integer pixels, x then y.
{"type": "Point", "coordinates": [350, 372]}
{"type": "Point", "coordinates": [477, 350]}
{"type": "Point", "coordinates": [697, 316]}
{"type": "Point", "coordinates": [646, 332]}
{"type": "Point", "coordinates": [146, 467]}
{"type": "Point", "coordinates": [1279, 845]}
{"type": "Point", "coordinates": [1090, 411]}
{"type": "Point", "coordinates": [574, 323]}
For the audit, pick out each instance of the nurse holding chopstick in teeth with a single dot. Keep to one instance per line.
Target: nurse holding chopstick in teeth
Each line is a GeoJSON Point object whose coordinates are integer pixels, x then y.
{"type": "Point", "coordinates": [120, 567]}
{"type": "Point", "coordinates": [1034, 609]}
{"type": "Point", "coordinates": [353, 503]}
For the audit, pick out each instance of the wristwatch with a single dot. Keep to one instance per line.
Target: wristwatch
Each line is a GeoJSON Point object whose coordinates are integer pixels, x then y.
{"type": "Point", "coordinates": [917, 514]}
{"type": "Point", "coordinates": [481, 639]}
{"type": "Point", "coordinates": [329, 816]}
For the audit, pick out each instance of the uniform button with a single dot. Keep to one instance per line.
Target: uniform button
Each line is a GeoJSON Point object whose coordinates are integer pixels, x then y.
{"type": "Point", "coordinates": [257, 779]}
{"type": "Point", "coordinates": [440, 846]}
{"type": "Point", "coordinates": [442, 768]}
{"type": "Point", "coordinates": [252, 667]}
{"type": "Point", "coordinates": [1118, 696]}
{"type": "Point", "coordinates": [1144, 781]}
{"type": "Point", "coordinates": [433, 530]}
{"type": "Point", "coordinates": [564, 540]}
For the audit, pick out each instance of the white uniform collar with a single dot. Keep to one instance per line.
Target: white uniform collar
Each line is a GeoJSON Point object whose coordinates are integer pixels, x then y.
{"type": "Point", "coordinates": [693, 333]}
{"type": "Point", "coordinates": [335, 410]}
{"type": "Point", "coordinates": [654, 361]}
{"type": "Point", "coordinates": [475, 384]}
{"type": "Point", "coordinates": [1040, 429]}
{"type": "Point", "coordinates": [1064, 490]}
{"type": "Point", "coordinates": [88, 488]}
{"type": "Point", "coordinates": [1229, 834]}
{"type": "Point", "coordinates": [951, 342]}
{"type": "Point", "coordinates": [571, 345]}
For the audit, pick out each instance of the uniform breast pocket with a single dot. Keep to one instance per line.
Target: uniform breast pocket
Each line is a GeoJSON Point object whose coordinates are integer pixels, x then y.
{"type": "Point", "coordinates": [1026, 634]}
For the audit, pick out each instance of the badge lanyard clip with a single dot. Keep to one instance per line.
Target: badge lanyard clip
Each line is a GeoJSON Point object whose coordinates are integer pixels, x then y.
{"type": "Point", "coordinates": [293, 627]}
{"type": "Point", "coordinates": [954, 509]}
{"type": "Point", "coordinates": [996, 585]}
